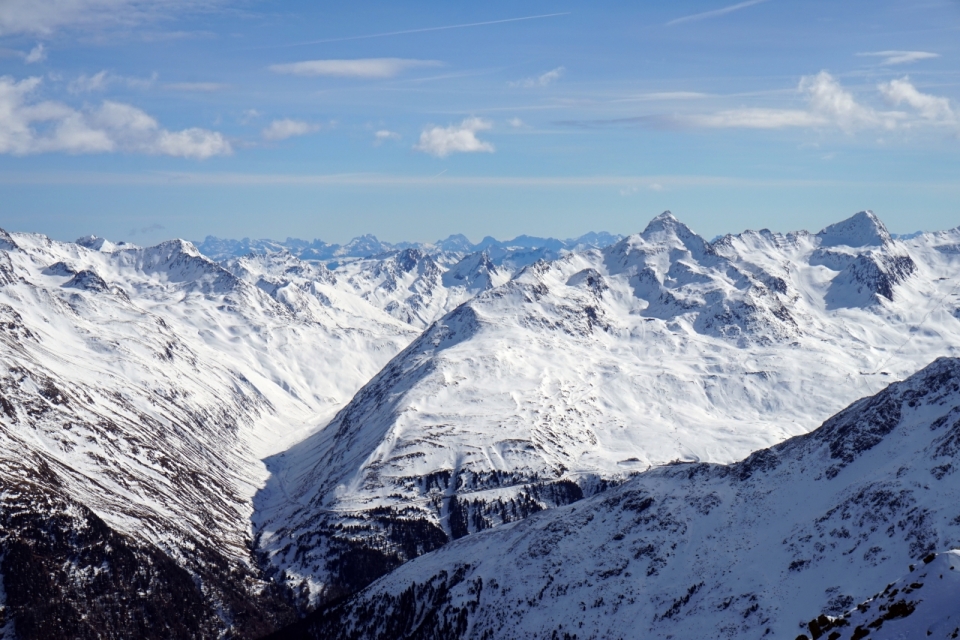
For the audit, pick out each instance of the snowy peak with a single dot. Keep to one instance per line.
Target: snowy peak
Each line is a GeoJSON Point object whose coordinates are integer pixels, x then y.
{"type": "Point", "coordinates": [863, 229]}
{"type": "Point", "coordinates": [666, 229]}
{"type": "Point", "coordinates": [476, 272]}
{"type": "Point", "coordinates": [179, 261]}
{"type": "Point", "coordinates": [457, 243]}
{"type": "Point", "coordinates": [88, 280]}
{"type": "Point", "coordinates": [96, 243]}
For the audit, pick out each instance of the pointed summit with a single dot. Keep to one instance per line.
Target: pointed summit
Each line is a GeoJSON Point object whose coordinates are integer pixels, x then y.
{"type": "Point", "coordinates": [860, 230]}
{"type": "Point", "coordinates": [665, 227]}
{"type": "Point", "coordinates": [663, 222]}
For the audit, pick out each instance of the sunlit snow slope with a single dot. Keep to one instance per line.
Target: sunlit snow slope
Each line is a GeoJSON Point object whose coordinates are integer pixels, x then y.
{"type": "Point", "coordinates": [583, 371]}
{"type": "Point", "coordinates": [786, 542]}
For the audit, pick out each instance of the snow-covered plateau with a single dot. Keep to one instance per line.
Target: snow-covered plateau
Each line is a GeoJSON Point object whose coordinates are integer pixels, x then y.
{"type": "Point", "coordinates": [213, 445]}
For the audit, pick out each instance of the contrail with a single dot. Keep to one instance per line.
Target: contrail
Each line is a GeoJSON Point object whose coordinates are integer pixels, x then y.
{"type": "Point", "coordinates": [716, 12]}
{"type": "Point", "coordinates": [400, 33]}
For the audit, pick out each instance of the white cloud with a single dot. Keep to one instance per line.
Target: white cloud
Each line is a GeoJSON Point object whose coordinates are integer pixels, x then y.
{"type": "Point", "coordinates": [716, 13]}
{"type": "Point", "coordinates": [383, 135]}
{"type": "Point", "coordinates": [930, 107]}
{"type": "Point", "coordinates": [196, 86]}
{"type": "Point", "coordinates": [37, 54]}
{"type": "Point", "coordinates": [829, 105]}
{"type": "Point", "coordinates": [900, 57]}
{"type": "Point", "coordinates": [286, 128]}
{"type": "Point", "coordinates": [457, 138]}
{"type": "Point", "coordinates": [103, 79]}
{"type": "Point", "coordinates": [516, 123]}
{"type": "Point", "coordinates": [836, 105]}
{"type": "Point", "coordinates": [111, 127]}
{"type": "Point", "coordinates": [47, 16]}
{"type": "Point", "coordinates": [540, 81]}
{"type": "Point", "coordinates": [358, 68]}
{"type": "Point", "coordinates": [190, 143]}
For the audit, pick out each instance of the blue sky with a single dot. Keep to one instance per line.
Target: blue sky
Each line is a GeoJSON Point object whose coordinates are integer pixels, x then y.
{"type": "Point", "coordinates": [142, 120]}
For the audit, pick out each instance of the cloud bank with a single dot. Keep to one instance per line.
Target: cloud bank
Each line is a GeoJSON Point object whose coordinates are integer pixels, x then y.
{"type": "Point", "coordinates": [358, 68]}
{"type": "Point", "coordinates": [29, 127]}
{"type": "Point", "coordinates": [457, 138]}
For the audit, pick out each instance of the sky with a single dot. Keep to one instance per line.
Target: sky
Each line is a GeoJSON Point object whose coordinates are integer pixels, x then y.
{"type": "Point", "coordinates": [141, 120]}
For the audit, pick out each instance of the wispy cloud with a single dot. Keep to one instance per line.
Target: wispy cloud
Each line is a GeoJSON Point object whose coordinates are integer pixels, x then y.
{"type": "Point", "coordinates": [542, 80]}
{"type": "Point", "coordinates": [421, 30]}
{"type": "Point", "coordinates": [716, 13]}
{"type": "Point", "coordinates": [899, 57]}
{"type": "Point", "coordinates": [37, 54]}
{"type": "Point", "coordinates": [357, 68]}
{"type": "Point", "coordinates": [286, 128]}
{"type": "Point", "coordinates": [46, 16]}
{"type": "Point", "coordinates": [383, 135]}
{"type": "Point", "coordinates": [457, 138]}
{"type": "Point", "coordinates": [830, 105]}
{"type": "Point", "coordinates": [102, 80]}
{"type": "Point", "coordinates": [111, 127]}
{"type": "Point", "coordinates": [663, 95]}
{"type": "Point", "coordinates": [196, 86]}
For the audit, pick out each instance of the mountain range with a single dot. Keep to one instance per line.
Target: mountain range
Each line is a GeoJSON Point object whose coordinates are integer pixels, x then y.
{"type": "Point", "coordinates": [216, 440]}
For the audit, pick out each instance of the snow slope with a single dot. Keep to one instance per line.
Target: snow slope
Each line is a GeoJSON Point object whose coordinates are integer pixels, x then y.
{"type": "Point", "coordinates": [578, 373]}
{"type": "Point", "coordinates": [755, 549]}
{"type": "Point", "coordinates": [139, 389]}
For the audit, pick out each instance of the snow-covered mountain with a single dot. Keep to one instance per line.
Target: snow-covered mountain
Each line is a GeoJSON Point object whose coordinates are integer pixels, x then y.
{"type": "Point", "coordinates": [579, 373]}
{"type": "Point", "coordinates": [140, 388]}
{"type": "Point", "coordinates": [212, 448]}
{"type": "Point", "coordinates": [809, 538]}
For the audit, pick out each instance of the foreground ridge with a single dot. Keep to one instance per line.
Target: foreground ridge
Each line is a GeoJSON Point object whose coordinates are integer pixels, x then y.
{"type": "Point", "coordinates": [754, 549]}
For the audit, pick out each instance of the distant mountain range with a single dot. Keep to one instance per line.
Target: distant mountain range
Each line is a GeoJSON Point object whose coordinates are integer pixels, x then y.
{"type": "Point", "coordinates": [367, 246]}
